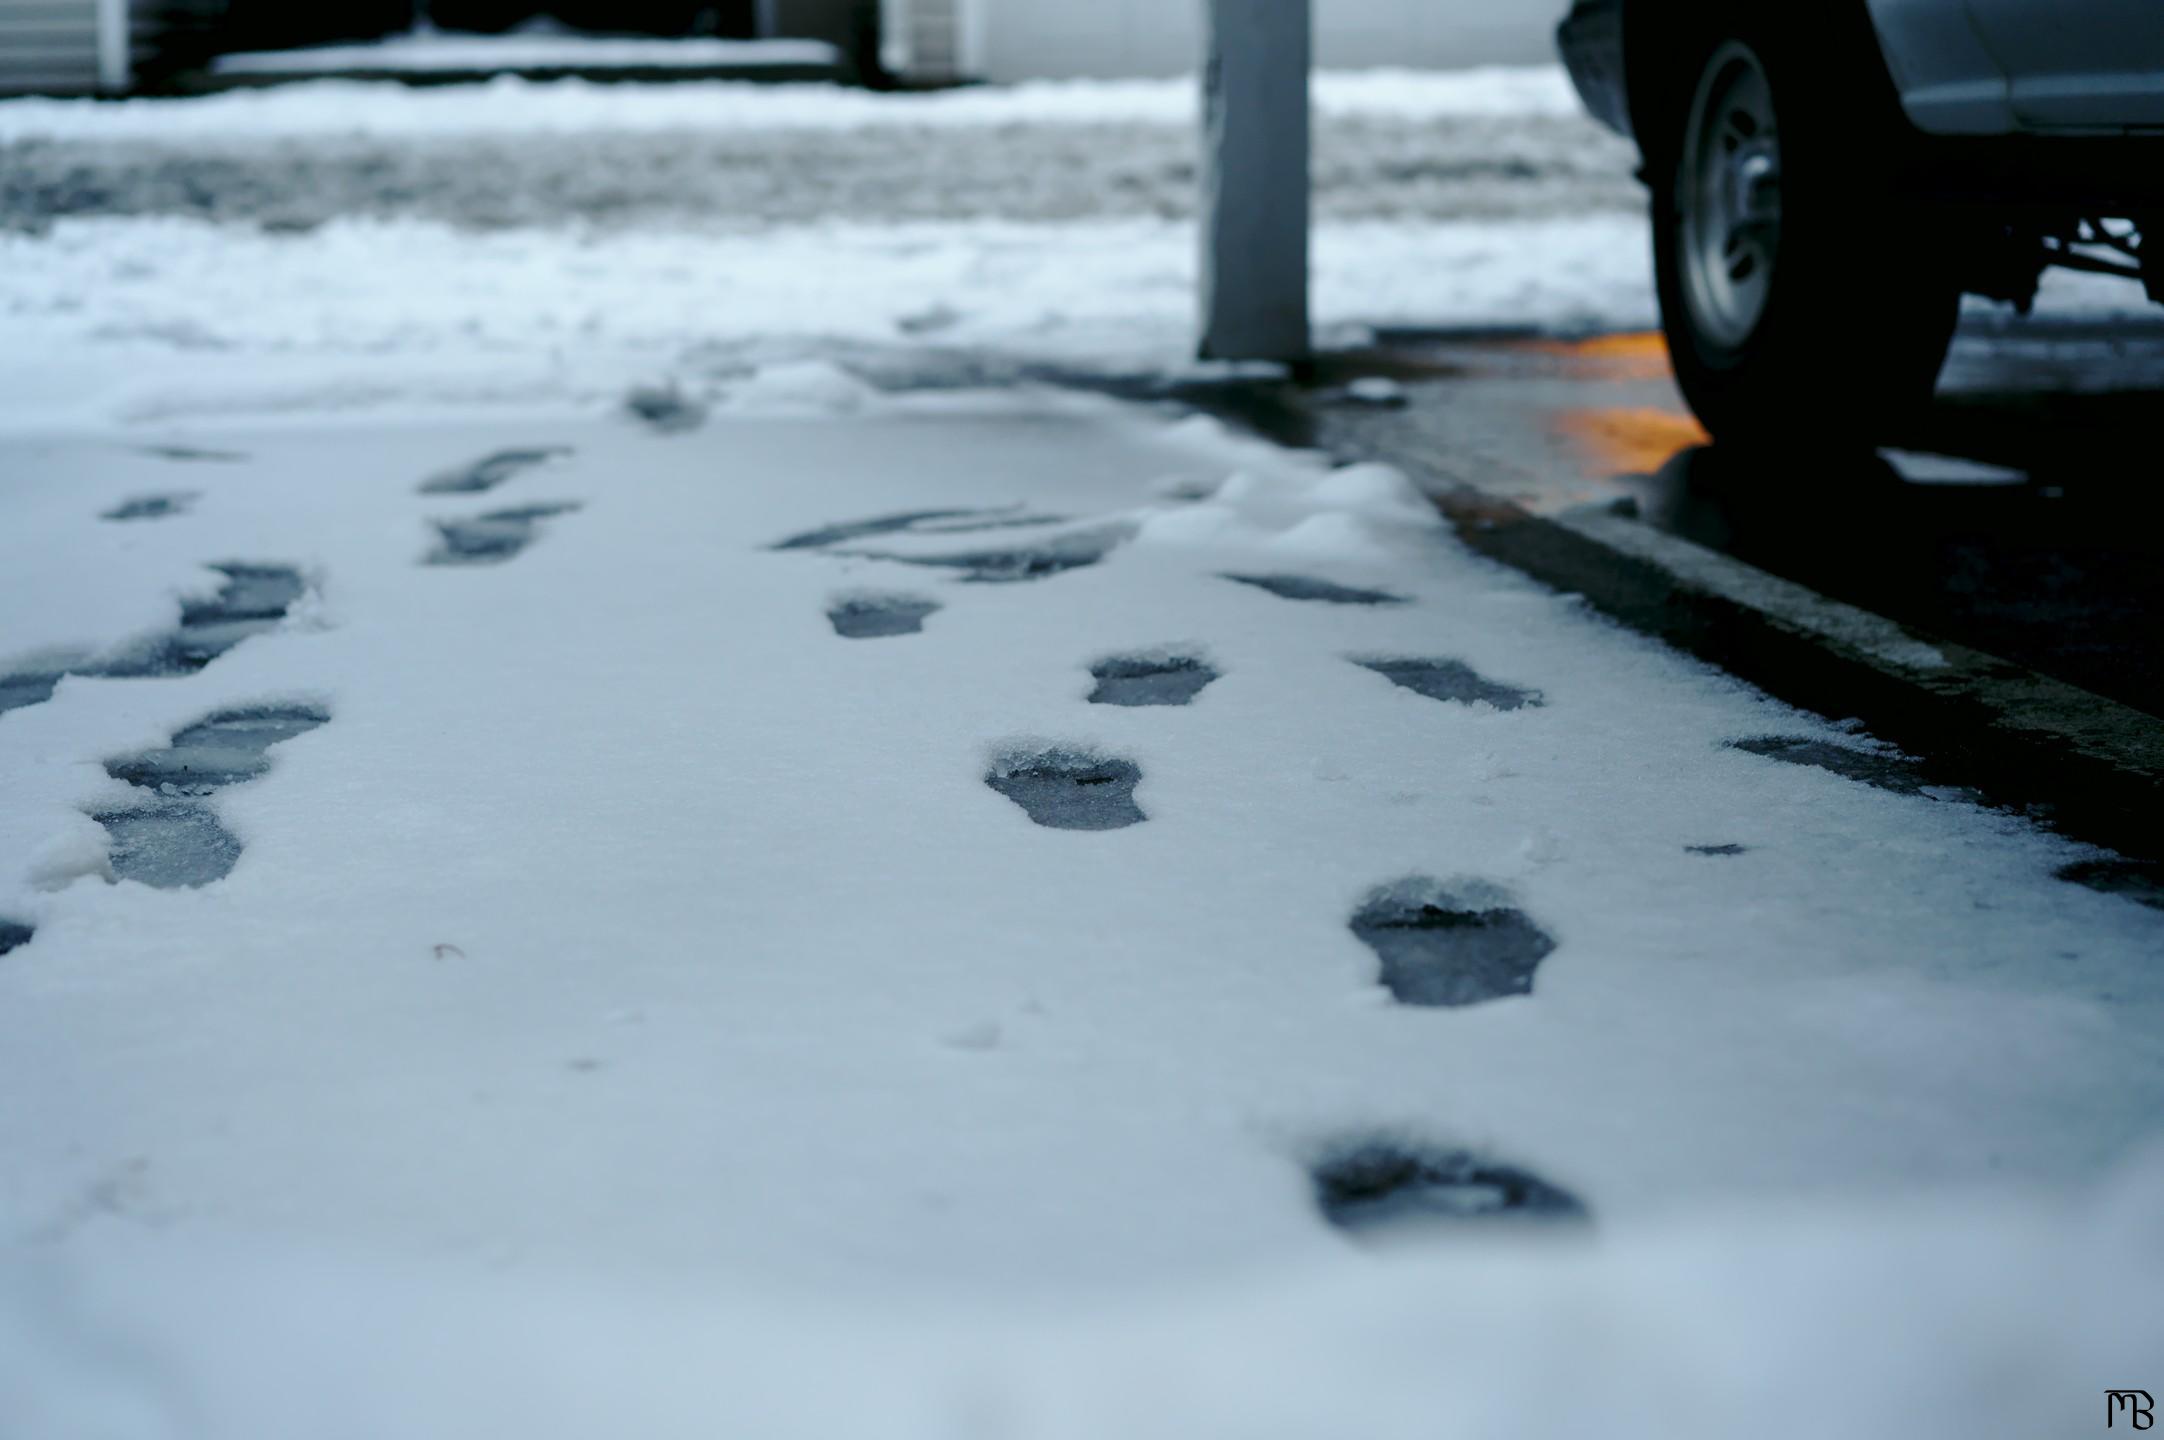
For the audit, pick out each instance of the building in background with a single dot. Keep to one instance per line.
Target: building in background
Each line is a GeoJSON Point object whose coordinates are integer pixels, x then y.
{"type": "Point", "coordinates": [931, 41]}
{"type": "Point", "coordinates": [115, 46]}
{"type": "Point", "coordinates": [72, 47]}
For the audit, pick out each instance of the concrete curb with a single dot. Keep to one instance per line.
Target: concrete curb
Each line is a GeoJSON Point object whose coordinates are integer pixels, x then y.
{"type": "Point", "coordinates": [2088, 767]}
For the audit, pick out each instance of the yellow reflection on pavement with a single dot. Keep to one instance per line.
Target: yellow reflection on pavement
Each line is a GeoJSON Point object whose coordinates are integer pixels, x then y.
{"type": "Point", "coordinates": [1628, 440]}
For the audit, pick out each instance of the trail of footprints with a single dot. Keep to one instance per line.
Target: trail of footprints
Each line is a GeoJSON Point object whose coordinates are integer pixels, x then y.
{"type": "Point", "coordinates": [1437, 944]}
{"type": "Point", "coordinates": [166, 834]}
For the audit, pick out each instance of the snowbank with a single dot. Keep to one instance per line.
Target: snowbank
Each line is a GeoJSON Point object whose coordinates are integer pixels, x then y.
{"type": "Point", "coordinates": [517, 107]}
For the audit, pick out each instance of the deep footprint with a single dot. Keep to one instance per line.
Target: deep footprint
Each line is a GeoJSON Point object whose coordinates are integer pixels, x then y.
{"type": "Point", "coordinates": [1056, 556]}
{"type": "Point", "coordinates": [879, 617]}
{"type": "Point", "coordinates": [491, 470]}
{"type": "Point", "coordinates": [254, 599]}
{"type": "Point", "coordinates": [228, 748]}
{"type": "Point", "coordinates": [1882, 772]}
{"type": "Point", "coordinates": [1451, 681]}
{"type": "Point", "coordinates": [1070, 789]}
{"type": "Point", "coordinates": [169, 844]}
{"type": "Point", "coordinates": [1450, 946]}
{"type": "Point", "coordinates": [1150, 680]}
{"type": "Point", "coordinates": [915, 522]}
{"type": "Point", "coordinates": [153, 507]}
{"type": "Point", "coordinates": [14, 935]}
{"type": "Point", "coordinates": [493, 538]}
{"type": "Point", "coordinates": [1378, 1185]}
{"type": "Point", "coordinates": [1306, 587]}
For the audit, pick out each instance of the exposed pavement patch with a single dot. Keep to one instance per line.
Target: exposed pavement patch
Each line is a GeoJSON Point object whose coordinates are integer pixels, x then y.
{"type": "Point", "coordinates": [254, 599]}
{"type": "Point", "coordinates": [2137, 880]}
{"type": "Point", "coordinates": [1450, 945]}
{"type": "Point", "coordinates": [1150, 679]}
{"type": "Point", "coordinates": [1379, 1185]}
{"type": "Point", "coordinates": [168, 844]}
{"type": "Point", "coordinates": [493, 538]}
{"type": "Point", "coordinates": [1717, 849]}
{"type": "Point", "coordinates": [917, 522]}
{"type": "Point", "coordinates": [173, 842]}
{"type": "Point", "coordinates": [1307, 587]}
{"type": "Point", "coordinates": [228, 748]}
{"type": "Point", "coordinates": [1450, 680]}
{"type": "Point", "coordinates": [1070, 789]}
{"type": "Point", "coordinates": [490, 471]}
{"type": "Point", "coordinates": [1054, 556]}
{"type": "Point", "coordinates": [14, 935]}
{"type": "Point", "coordinates": [1884, 772]}
{"type": "Point", "coordinates": [880, 617]}
{"type": "Point", "coordinates": [153, 507]}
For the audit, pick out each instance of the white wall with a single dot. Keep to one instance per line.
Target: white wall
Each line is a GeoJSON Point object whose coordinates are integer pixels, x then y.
{"type": "Point", "coordinates": [1027, 39]}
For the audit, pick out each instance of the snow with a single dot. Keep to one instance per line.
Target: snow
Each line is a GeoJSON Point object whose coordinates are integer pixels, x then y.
{"type": "Point", "coordinates": [512, 106]}
{"type": "Point", "coordinates": [536, 45]}
{"type": "Point", "coordinates": [143, 318]}
{"type": "Point", "coordinates": [1996, 1317]}
{"type": "Point", "coordinates": [721, 890]}
{"type": "Point", "coordinates": [633, 1011]}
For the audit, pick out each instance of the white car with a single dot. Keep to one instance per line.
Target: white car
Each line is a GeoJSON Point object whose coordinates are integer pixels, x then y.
{"type": "Point", "coordinates": [1830, 176]}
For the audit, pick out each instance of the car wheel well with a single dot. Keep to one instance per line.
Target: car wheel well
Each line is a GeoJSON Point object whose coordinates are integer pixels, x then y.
{"type": "Point", "coordinates": [1661, 51]}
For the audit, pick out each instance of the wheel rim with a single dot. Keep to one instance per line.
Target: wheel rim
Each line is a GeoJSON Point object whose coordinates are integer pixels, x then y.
{"type": "Point", "coordinates": [1730, 197]}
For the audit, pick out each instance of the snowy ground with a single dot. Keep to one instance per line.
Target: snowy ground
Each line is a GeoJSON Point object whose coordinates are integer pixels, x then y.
{"type": "Point", "coordinates": [635, 1005]}
{"type": "Point", "coordinates": [561, 241]}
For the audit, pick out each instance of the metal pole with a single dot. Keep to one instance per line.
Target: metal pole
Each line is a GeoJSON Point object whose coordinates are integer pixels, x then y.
{"type": "Point", "coordinates": [116, 67]}
{"type": "Point", "coordinates": [1255, 180]}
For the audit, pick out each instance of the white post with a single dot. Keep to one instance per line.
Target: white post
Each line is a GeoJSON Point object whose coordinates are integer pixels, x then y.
{"type": "Point", "coordinates": [1255, 180]}
{"type": "Point", "coordinates": [116, 67]}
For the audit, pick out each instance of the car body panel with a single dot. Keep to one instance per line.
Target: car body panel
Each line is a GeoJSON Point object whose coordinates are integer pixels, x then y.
{"type": "Point", "coordinates": [1949, 82]}
{"type": "Point", "coordinates": [1961, 67]}
{"type": "Point", "coordinates": [2095, 65]}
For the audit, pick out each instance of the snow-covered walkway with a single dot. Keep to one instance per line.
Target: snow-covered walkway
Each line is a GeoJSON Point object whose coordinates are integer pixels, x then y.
{"type": "Point", "coordinates": [681, 882]}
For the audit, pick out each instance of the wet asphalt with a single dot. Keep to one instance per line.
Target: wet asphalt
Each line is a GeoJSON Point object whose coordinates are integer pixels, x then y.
{"type": "Point", "coordinates": [2016, 518]}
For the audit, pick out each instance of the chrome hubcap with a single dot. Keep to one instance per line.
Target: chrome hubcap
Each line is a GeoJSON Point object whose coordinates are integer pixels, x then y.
{"type": "Point", "coordinates": [1731, 197]}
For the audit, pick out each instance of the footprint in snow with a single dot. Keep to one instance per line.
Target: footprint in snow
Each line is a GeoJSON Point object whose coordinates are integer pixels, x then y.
{"type": "Point", "coordinates": [172, 841]}
{"type": "Point", "coordinates": [665, 409]}
{"type": "Point", "coordinates": [1308, 588]}
{"type": "Point", "coordinates": [191, 455]}
{"type": "Point", "coordinates": [1010, 565]}
{"type": "Point", "coordinates": [254, 598]}
{"type": "Point", "coordinates": [1150, 679]}
{"type": "Point", "coordinates": [1070, 789]}
{"type": "Point", "coordinates": [917, 522]}
{"type": "Point", "coordinates": [489, 471]}
{"type": "Point", "coordinates": [153, 507]}
{"type": "Point", "coordinates": [879, 617]}
{"type": "Point", "coordinates": [1450, 946]}
{"type": "Point", "coordinates": [1375, 1186]}
{"type": "Point", "coordinates": [1450, 681]}
{"type": "Point", "coordinates": [494, 538]}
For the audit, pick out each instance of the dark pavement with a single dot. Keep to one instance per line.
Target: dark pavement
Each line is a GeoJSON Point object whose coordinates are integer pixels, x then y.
{"type": "Point", "coordinates": [2018, 520]}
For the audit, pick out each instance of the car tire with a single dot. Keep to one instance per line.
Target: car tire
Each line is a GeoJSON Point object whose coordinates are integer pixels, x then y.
{"type": "Point", "coordinates": [1796, 284]}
